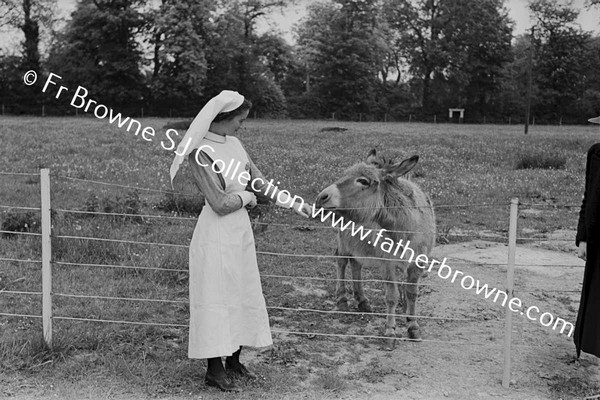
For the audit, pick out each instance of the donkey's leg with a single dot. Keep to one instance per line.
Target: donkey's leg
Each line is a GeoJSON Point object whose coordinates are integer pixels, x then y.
{"type": "Point", "coordinates": [391, 301]}
{"type": "Point", "coordinates": [340, 285]}
{"type": "Point", "coordinates": [359, 294]}
{"type": "Point", "coordinates": [402, 288]}
{"type": "Point", "coordinates": [412, 291]}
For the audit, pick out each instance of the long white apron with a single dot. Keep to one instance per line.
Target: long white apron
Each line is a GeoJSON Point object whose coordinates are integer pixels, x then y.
{"type": "Point", "coordinates": [227, 306]}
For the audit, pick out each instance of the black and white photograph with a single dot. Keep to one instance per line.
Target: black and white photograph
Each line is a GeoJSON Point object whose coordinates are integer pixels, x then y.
{"type": "Point", "coordinates": [300, 199]}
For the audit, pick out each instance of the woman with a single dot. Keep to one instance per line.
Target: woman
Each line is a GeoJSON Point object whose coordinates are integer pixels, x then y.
{"type": "Point", "coordinates": [587, 327]}
{"type": "Point", "coordinates": [227, 307]}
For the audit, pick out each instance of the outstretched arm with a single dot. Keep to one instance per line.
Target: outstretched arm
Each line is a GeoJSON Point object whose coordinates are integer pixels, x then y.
{"type": "Point", "coordinates": [282, 198]}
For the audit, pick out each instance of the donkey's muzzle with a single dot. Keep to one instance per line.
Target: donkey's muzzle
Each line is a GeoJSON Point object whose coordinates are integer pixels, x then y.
{"type": "Point", "coordinates": [328, 198]}
{"type": "Point", "coordinates": [322, 199]}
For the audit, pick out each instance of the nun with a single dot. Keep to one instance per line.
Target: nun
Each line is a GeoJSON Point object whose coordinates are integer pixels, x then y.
{"type": "Point", "coordinates": [227, 306]}
{"type": "Point", "coordinates": [587, 327]}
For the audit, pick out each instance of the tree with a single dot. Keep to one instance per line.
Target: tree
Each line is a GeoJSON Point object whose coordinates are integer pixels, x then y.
{"type": "Point", "coordinates": [511, 99]}
{"type": "Point", "coordinates": [478, 45]}
{"type": "Point", "coordinates": [560, 58]}
{"type": "Point", "coordinates": [179, 32]}
{"type": "Point", "coordinates": [28, 16]}
{"type": "Point", "coordinates": [342, 46]}
{"type": "Point", "coordinates": [99, 52]}
{"type": "Point", "coordinates": [234, 57]}
{"type": "Point", "coordinates": [419, 26]}
{"type": "Point", "coordinates": [589, 103]}
{"type": "Point", "coordinates": [459, 45]}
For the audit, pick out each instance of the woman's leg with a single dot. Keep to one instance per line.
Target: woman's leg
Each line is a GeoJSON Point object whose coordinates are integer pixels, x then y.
{"type": "Point", "coordinates": [232, 363]}
{"type": "Point", "coordinates": [234, 359]}
{"type": "Point", "coordinates": [215, 376]}
{"type": "Point", "coordinates": [215, 367]}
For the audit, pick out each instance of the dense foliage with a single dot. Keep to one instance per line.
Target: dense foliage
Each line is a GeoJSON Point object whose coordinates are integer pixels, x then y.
{"type": "Point", "coordinates": [352, 59]}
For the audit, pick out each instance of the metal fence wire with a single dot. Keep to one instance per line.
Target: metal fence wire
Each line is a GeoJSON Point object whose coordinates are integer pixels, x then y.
{"type": "Point", "coordinates": [47, 294]}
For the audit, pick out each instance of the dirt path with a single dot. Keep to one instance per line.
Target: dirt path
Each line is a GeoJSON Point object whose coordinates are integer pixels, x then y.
{"type": "Point", "coordinates": [543, 361]}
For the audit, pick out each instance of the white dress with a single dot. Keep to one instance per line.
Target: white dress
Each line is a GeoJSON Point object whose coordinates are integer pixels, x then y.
{"type": "Point", "coordinates": [227, 306]}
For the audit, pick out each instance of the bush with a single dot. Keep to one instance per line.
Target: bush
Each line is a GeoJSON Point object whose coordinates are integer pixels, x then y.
{"type": "Point", "coordinates": [183, 125]}
{"type": "Point", "coordinates": [541, 161]}
{"type": "Point", "coordinates": [20, 222]}
{"type": "Point", "coordinates": [268, 100]}
{"type": "Point", "coordinates": [130, 204]}
{"type": "Point", "coordinates": [180, 204]}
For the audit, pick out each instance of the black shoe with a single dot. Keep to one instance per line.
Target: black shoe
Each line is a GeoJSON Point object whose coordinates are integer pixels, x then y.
{"type": "Point", "coordinates": [221, 382]}
{"type": "Point", "coordinates": [240, 370]}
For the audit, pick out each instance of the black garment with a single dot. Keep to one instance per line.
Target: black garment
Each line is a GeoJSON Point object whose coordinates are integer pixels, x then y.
{"type": "Point", "coordinates": [587, 327]}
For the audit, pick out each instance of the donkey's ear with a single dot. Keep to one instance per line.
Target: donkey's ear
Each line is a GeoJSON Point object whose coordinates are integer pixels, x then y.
{"type": "Point", "coordinates": [372, 158]}
{"type": "Point", "coordinates": [404, 167]}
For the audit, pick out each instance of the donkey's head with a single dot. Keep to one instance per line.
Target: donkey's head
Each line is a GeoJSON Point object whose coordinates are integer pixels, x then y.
{"type": "Point", "coordinates": [364, 188]}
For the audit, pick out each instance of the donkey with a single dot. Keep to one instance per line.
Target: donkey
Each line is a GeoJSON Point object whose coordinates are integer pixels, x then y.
{"type": "Point", "coordinates": [374, 195]}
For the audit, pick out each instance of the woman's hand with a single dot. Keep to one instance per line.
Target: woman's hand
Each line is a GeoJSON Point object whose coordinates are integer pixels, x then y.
{"type": "Point", "coordinates": [252, 203]}
{"type": "Point", "coordinates": [302, 209]}
{"type": "Point", "coordinates": [582, 251]}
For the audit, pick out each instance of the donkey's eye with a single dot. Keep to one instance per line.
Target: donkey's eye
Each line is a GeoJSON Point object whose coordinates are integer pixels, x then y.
{"type": "Point", "coordinates": [363, 181]}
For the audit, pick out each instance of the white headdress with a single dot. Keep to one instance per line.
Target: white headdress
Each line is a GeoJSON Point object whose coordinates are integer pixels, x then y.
{"type": "Point", "coordinates": [225, 101]}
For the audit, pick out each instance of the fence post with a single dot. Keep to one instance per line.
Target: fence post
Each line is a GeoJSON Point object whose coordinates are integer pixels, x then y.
{"type": "Point", "coordinates": [435, 118]}
{"type": "Point", "coordinates": [46, 256]}
{"type": "Point", "coordinates": [510, 279]}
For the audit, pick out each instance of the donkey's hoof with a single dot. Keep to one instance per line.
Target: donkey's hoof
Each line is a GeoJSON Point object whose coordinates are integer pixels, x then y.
{"type": "Point", "coordinates": [390, 344]}
{"type": "Point", "coordinates": [414, 333]}
{"type": "Point", "coordinates": [342, 305]}
{"type": "Point", "coordinates": [364, 306]}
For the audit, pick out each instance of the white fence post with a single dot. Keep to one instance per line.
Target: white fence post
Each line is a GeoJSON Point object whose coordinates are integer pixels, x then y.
{"type": "Point", "coordinates": [510, 279]}
{"type": "Point", "coordinates": [46, 257]}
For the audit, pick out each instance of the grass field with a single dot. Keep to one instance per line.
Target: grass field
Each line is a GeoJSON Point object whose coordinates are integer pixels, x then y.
{"type": "Point", "coordinates": [470, 171]}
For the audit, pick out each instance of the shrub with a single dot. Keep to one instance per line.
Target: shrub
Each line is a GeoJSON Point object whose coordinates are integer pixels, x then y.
{"type": "Point", "coordinates": [20, 222]}
{"type": "Point", "coordinates": [180, 204]}
{"type": "Point", "coordinates": [268, 100]}
{"type": "Point", "coordinates": [183, 125]}
{"type": "Point", "coordinates": [130, 204]}
{"type": "Point", "coordinates": [541, 161]}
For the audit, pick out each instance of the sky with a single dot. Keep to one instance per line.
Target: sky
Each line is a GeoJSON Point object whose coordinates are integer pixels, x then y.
{"type": "Point", "coordinates": [283, 20]}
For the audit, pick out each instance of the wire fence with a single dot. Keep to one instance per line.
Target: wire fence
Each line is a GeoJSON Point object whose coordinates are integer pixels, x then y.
{"type": "Point", "coordinates": [47, 292]}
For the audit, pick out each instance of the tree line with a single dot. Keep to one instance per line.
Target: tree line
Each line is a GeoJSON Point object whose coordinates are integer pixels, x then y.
{"type": "Point", "coordinates": [367, 59]}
